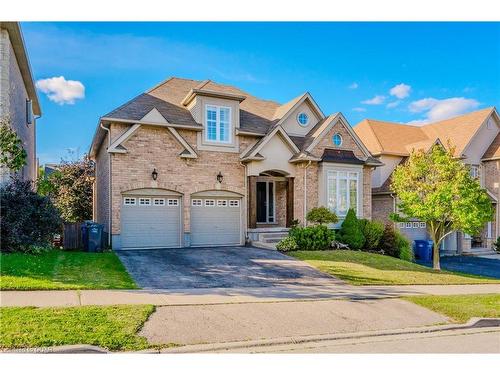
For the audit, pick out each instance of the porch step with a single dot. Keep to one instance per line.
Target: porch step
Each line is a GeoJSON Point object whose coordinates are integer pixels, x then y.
{"type": "Point", "coordinates": [264, 245]}
{"type": "Point", "coordinates": [274, 237]}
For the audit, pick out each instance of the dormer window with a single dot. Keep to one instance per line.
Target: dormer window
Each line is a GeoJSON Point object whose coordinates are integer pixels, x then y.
{"type": "Point", "coordinates": [303, 119]}
{"type": "Point", "coordinates": [218, 124]}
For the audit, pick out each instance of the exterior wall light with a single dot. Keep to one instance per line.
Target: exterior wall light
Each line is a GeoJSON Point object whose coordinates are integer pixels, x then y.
{"type": "Point", "coordinates": [154, 174]}
{"type": "Point", "coordinates": [220, 177]}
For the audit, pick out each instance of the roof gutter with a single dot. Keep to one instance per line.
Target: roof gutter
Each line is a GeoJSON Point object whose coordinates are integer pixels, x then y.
{"type": "Point", "coordinates": [152, 123]}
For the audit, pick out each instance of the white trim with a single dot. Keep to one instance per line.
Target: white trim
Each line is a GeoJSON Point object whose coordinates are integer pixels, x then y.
{"type": "Point", "coordinates": [234, 203]}
{"type": "Point", "coordinates": [122, 138]}
{"type": "Point", "coordinates": [127, 201]}
{"type": "Point", "coordinates": [348, 178]}
{"type": "Point", "coordinates": [182, 141]}
{"type": "Point", "coordinates": [341, 140]}
{"type": "Point", "coordinates": [218, 125]}
{"type": "Point", "coordinates": [196, 202]}
{"type": "Point", "coordinates": [143, 201]}
{"type": "Point", "coordinates": [268, 137]}
{"type": "Point", "coordinates": [158, 201]}
{"type": "Point", "coordinates": [209, 203]}
{"type": "Point", "coordinates": [222, 203]}
{"type": "Point", "coordinates": [307, 119]}
{"type": "Point", "coordinates": [304, 97]}
{"type": "Point", "coordinates": [172, 202]}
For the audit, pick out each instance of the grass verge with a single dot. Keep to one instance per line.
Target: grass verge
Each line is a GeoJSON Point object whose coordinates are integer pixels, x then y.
{"type": "Point", "coordinates": [362, 268]}
{"type": "Point", "coordinates": [57, 269]}
{"type": "Point", "coordinates": [461, 307]}
{"type": "Point", "coordinates": [110, 327]}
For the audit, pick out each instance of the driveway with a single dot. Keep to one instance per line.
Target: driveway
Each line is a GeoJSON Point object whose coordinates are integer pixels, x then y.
{"type": "Point", "coordinates": [472, 265]}
{"type": "Point", "coordinates": [219, 267]}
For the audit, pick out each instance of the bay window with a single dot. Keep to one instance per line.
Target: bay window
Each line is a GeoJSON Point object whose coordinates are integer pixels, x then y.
{"type": "Point", "coordinates": [342, 191]}
{"type": "Point", "coordinates": [218, 124]}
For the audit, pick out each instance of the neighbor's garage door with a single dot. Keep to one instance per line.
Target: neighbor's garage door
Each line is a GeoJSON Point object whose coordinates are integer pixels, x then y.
{"type": "Point", "coordinates": [150, 222]}
{"type": "Point", "coordinates": [414, 230]}
{"type": "Point", "coordinates": [215, 221]}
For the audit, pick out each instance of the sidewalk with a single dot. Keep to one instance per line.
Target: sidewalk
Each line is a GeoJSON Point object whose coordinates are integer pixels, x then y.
{"type": "Point", "coordinates": [207, 296]}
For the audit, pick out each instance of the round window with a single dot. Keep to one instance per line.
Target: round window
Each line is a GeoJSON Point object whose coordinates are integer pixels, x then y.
{"type": "Point", "coordinates": [303, 119]}
{"type": "Point", "coordinates": [337, 139]}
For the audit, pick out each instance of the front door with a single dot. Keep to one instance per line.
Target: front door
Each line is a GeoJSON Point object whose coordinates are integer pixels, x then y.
{"type": "Point", "coordinates": [265, 202]}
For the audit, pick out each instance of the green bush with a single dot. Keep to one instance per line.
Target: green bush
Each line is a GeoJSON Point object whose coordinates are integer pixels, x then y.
{"type": "Point", "coordinates": [350, 231]}
{"type": "Point", "coordinates": [496, 245]}
{"type": "Point", "coordinates": [317, 237]}
{"type": "Point", "coordinates": [321, 215]}
{"type": "Point", "coordinates": [287, 244]}
{"type": "Point", "coordinates": [389, 242]}
{"type": "Point", "coordinates": [28, 220]}
{"type": "Point", "coordinates": [404, 246]}
{"type": "Point", "coordinates": [372, 231]}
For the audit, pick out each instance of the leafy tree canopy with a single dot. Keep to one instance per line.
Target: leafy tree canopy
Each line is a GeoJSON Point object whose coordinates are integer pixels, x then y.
{"type": "Point", "coordinates": [12, 153]}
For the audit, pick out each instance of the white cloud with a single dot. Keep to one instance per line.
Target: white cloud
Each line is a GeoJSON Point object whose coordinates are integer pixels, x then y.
{"type": "Point", "coordinates": [359, 109]}
{"type": "Point", "coordinates": [377, 99]}
{"type": "Point", "coordinates": [418, 122]}
{"type": "Point", "coordinates": [353, 86]}
{"type": "Point", "coordinates": [440, 109]}
{"type": "Point", "coordinates": [400, 91]}
{"type": "Point", "coordinates": [60, 90]}
{"type": "Point", "coordinates": [393, 104]}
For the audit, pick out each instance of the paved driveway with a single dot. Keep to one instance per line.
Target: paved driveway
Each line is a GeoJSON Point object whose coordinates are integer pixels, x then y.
{"type": "Point", "coordinates": [219, 267]}
{"type": "Point", "coordinates": [473, 265]}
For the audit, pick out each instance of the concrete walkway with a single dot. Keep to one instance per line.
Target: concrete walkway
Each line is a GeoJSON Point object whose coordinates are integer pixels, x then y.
{"type": "Point", "coordinates": [205, 296]}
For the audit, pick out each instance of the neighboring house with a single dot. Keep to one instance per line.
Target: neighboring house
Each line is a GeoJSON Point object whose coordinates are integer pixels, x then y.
{"type": "Point", "coordinates": [197, 163]}
{"type": "Point", "coordinates": [18, 97]}
{"type": "Point", "coordinates": [476, 138]}
{"type": "Point", "coordinates": [50, 168]}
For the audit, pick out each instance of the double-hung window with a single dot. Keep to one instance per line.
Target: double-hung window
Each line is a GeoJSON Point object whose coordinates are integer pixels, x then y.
{"type": "Point", "coordinates": [218, 124]}
{"type": "Point", "coordinates": [342, 191]}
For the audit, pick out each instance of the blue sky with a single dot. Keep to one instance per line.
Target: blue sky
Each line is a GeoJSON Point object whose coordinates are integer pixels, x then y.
{"type": "Point", "coordinates": [403, 72]}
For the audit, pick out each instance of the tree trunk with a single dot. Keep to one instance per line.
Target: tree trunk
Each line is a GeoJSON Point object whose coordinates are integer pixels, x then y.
{"type": "Point", "coordinates": [435, 257]}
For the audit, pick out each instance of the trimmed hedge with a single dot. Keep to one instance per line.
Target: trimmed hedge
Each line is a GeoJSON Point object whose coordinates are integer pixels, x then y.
{"type": "Point", "coordinates": [317, 237]}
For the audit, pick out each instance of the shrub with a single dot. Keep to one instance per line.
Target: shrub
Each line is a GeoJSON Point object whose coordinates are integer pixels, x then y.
{"type": "Point", "coordinates": [404, 246]}
{"type": "Point", "coordinates": [496, 245]}
{"type": "Point", "coordinates": [372, 231]}
{"type": "Point", "coordinates": [28, 220]}
{"type": "Point", "coordinates": [317, 237]}
{"type": "Point", "coordinates": [287, 244]}
{"type": "Point", "coordinates": [350, 231]}
{"type": "Point", "coordinates": [321, 215]}
{"type": "Point", "coordinates": [389, 242]}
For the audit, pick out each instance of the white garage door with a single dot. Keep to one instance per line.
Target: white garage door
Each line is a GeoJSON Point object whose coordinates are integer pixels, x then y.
{"type": "Point", "coordinates": [215, 221]}
{"type": "Point", "coordinates": [150, 222]}
{"type": "Point", "coordinates": [414, 230]}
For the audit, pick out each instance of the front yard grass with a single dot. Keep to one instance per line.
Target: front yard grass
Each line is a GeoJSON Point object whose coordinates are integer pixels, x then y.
{"type": "Point", "coordinates": [362, 268]}
{"type": "Point", "coordinates": [57, 269]}
{"type": "Point", "coordinates": [461, 307]}
{"type": "Point", "coordinates": [110, 327]}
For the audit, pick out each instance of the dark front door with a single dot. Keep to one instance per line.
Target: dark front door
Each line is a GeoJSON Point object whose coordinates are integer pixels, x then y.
{"type": "Point", "coordinates": [265, 202]}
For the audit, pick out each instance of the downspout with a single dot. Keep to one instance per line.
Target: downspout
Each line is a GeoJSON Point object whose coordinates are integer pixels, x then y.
{"type": "Point", "coordinates": [393, 206]}
{"type": "Point", "coordinates": [245, 178]}
{"type": "Point", "coordinates": [305, 191]}
{"type": "Point", "coordinates": [110, 188]}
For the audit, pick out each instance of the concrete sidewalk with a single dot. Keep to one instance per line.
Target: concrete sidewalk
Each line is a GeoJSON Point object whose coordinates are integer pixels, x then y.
{"type": "Point", "coordinates": [207, 296]}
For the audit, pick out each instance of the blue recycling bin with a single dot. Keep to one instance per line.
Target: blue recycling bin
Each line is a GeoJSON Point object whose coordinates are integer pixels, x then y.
{"type": "Point", "coordinates": [92, 235]}
{"type": "Point", "coordinates": [423, 250]}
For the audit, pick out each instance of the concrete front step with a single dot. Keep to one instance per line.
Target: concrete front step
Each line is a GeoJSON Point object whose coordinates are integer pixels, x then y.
{"type": "Point", "coordinates": [264, 245]}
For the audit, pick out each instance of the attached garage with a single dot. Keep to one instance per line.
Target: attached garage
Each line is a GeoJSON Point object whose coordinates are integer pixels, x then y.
{"type": "Point", "coordinates": [150, 218]}
{"type": "Point", "coordinates": [414, 230]}
{"type": "Point", "coordinates": [216, 219]}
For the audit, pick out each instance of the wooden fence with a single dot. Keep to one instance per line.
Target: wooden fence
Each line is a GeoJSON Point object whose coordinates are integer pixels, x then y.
{"type": "Point", "coordinates": [72, 236]}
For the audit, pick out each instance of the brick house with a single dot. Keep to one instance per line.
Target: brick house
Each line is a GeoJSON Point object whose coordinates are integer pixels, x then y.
{"type": "Point", "coordinates": [476, 137]}
{"type": "Point", "coordinates": [18, 97]}
{"type": "Point", "coordinates": [197, 163]}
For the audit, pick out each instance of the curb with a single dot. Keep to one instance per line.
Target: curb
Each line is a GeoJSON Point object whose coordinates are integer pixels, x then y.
{"type": "Point", "coordinates": [199, 348]}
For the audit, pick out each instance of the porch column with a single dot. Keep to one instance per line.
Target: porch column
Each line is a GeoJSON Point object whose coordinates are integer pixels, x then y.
{"type": "Point", "coordinates": [252, 201]}
{"type": "Point", "coordinates": [289, 201]}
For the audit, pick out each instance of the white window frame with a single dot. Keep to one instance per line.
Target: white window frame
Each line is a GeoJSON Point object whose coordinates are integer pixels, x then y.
{"type": "Point", "coordinates": [158, 201]}
{"type": "Point", "coordinates": [234, 203]}
{"type": "Point", "coordinates": [127, 201]}
{"type": "Point", "coordinates": [408, 225]}
{"type": "Point", "coordinates": [348, 178]}
{"type": "Point", "coordinates": [475, 171]}
{"type": "Point", "coordinates": [196, 202]}
{"type": "Point", "coordinates": [307, 117]}
{"type": "Point", "coordinates": [423, 224]}
{"type": "Point", "coordinates": [209, 202]}
{"type": "Point", "coordinates": [143, 200]}
{"type": "Point", "coordinates": [172, 202]}
{"type": "Point", "coordinates": [218, 124]}
{"type": "Point", "coordinates": [222, 203]}
{"type": "Point", "coordinates": [415, 224]}
{"type": "Point", "coordinates": [341, 140]}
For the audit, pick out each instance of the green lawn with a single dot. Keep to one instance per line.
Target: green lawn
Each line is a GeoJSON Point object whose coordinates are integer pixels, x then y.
{"type": "Point", "coordinates": [362, 268]}
{"type": "Point", "coordinates": [110, 327]}
{"type": "Point", "coordinates": [462, 307]}
{"type": "Point", "coordinates": [63, 270]}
